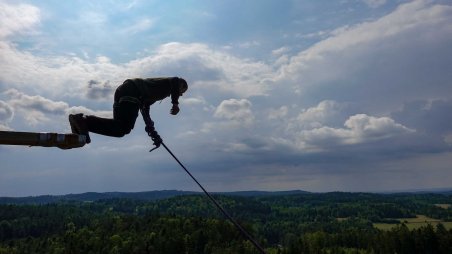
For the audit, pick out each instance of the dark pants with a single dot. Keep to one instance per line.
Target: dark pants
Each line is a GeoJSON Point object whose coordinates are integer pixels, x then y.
{"type": "Point", "coordinates": [125, 114]}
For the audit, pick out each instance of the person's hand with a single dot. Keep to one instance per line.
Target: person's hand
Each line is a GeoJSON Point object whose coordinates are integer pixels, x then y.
{"type": "Point", "coordinates": [175, 109]}
{"type": "Point", "coordinates": [156, 139]}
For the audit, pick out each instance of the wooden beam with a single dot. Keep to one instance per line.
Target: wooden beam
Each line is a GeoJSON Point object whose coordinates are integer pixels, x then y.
{"type": "Point", "coordinates": [63, 141]}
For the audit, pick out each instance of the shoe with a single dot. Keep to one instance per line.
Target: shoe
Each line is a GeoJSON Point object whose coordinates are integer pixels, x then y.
{"type": "Point", "coordinates": [79, 126]}
{"type": "Point", "coordinates": [74, 129]}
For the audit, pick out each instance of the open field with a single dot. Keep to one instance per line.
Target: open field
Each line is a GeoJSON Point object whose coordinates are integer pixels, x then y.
{"type": "Point", "coordinates": [444, 206]}
{"type": "Point", "coordinates": [414, 223]}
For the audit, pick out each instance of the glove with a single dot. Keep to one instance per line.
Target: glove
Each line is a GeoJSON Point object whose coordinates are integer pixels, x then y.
{"type": "Point", "coordinates": [156, 138]}
{"type": "Point", "coordinates": [174, 110]}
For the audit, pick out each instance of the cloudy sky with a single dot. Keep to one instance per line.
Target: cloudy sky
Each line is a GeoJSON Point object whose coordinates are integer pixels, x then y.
{"type": "Point", "coordinates": [344, 95]}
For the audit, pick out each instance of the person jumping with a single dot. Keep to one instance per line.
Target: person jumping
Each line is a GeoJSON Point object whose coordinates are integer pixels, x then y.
{"type": "Point", "coordinates": [130, 97]}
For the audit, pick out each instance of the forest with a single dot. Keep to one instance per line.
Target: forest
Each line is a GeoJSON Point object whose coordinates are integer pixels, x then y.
{"type": "Point", "coordinates": [283, 223]}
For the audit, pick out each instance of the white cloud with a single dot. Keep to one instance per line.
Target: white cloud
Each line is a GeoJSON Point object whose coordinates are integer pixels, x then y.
{"type": "Point", "coordinates": [87, 111]}
{"type": "Point", "coordinates": [6, 115]}
{"type": "Point", "coordinates": [192, 101]}
{"type": "Point", "coordinates": [279, 113]}
{"type": "Point", "coordinates": [52, 75]}
{"type": "Point", "coordinates": [197, 63]}
{"type": "Point", "coordinates": [36, 102]}
{"type": "Point", "coordinates": [5, 128]}
{"type": "Point", "coordinates": [325, 113]}
{"type": "Point", "coordinates": [280, 51]}
{"type": "Point", "coordinates": [17, 18]}
{"type": "Point", "coordinates": [36, 109]}
{"type": "Point", "coordinates": [237, 111]}
{"type": "Point", "coordinates": [360, 128]}
{"type": "Point", "coordinates": [6, 112]}
{"type": "Point", "coordinates": [208, 68]}
{"type": "Point", "coordinates": [200, 64]}
{"type": "Point", "coordinates": [405, 54]}
{"type": "Point", "coordinates": [369, 128]}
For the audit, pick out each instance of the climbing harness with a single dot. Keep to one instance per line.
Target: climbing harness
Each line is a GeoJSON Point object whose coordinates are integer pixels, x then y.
{"type": "Point", "coordinates": [225, 213]}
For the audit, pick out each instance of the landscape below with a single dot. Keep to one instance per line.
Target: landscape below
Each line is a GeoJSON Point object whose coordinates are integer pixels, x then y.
{"type": "Point", "coordinates": [186, 222]}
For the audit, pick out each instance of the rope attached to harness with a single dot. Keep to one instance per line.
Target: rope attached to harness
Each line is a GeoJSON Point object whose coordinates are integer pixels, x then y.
{"type": "Point", "coordinates": [129, 99]}
{"type": "Point", "coordinates": [236, 224]}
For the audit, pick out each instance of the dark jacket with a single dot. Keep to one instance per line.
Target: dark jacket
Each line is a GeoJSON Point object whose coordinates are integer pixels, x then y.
{"type": "Point", "coordinates": [156, 89]}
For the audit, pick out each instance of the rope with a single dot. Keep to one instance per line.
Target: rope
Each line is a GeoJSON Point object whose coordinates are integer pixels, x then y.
{"type": "Point", "coordinates": [236, 224]}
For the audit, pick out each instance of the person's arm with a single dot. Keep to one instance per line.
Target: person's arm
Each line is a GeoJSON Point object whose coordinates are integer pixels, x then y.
{"type": "Point", "coordinates": [175, 93]}
{"type": "Point", "coordinates": [147, 117]}
{"type": "Point", "coordinates": [150, 129]}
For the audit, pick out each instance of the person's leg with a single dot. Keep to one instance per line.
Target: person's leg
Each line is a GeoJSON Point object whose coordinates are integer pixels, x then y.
{"type": "Point", "coordinates": [124, 117]}
{"type": "Point", "coordinates": [125, 113]}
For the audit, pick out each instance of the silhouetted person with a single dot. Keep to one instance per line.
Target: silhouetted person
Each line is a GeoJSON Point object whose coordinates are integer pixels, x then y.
{"type": "Point", "coordinates": [130, 97]}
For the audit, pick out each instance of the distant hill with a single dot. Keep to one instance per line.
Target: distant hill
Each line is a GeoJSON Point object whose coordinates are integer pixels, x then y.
{"type": "Point", "coordinates": [93, 196]}
{"type": "Point", "coordinates": [262, 193]}
{"type": "Point", "coordinates": [445, 191]}
{"type": "Point", "coordinates": [145, 195]}
{"type": "Point", "coordinates": [163, 194]}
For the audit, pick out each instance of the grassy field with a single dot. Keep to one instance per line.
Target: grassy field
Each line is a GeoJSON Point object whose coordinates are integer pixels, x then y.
{"type": "Point", "coordinates": [414, 223]}
{"type": "Point", "coordinates": [444, 206]}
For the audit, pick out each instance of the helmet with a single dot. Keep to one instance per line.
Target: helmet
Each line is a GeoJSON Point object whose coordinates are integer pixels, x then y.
{"type": "Point", "coordinates": [183, 86]}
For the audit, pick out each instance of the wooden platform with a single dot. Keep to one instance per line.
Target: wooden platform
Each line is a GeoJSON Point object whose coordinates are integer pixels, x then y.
{"type": "Point", "coordinates": [63, 141]}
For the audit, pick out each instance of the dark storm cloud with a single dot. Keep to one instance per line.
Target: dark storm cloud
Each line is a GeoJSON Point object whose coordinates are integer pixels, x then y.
{"type": "Point", "coordinates": [433, 117]}
{"type": "Point", "coordinates": [99, 90]}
